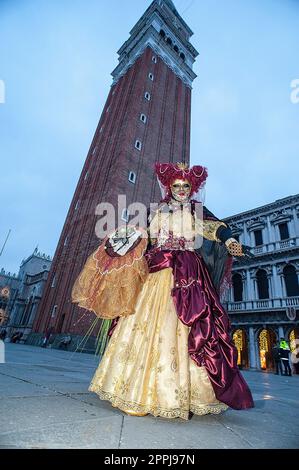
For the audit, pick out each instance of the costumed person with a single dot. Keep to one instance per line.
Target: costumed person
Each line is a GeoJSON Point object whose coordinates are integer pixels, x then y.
{"type": "Point", "coordinates": [170, 352]}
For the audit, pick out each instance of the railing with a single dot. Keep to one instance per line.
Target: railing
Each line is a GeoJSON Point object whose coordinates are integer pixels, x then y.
{"type": "Point", "coordinates": [251, 305]}
{"type": "Point", "coordinates": [275, 246]}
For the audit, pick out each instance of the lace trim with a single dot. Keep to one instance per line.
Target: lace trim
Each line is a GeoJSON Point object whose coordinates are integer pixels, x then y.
{"type": "Point", "coordinates": [124, 405]}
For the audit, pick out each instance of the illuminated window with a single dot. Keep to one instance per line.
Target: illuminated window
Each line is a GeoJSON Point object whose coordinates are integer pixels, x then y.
{"type": "Point", "coordinates": [267, 339]}
{"type": "Point", "coordinates": [238, 340]}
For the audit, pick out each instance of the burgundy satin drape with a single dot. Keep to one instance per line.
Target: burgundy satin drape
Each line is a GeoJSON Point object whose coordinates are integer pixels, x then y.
{"type": "Point", "coordinates": [198, 306]}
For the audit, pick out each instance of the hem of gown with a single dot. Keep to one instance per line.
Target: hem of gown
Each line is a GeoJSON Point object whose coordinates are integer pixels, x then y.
{"type": "Point", "coordinates": [124, 405]}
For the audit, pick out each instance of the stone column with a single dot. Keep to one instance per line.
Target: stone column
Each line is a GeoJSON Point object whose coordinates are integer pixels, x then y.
{"type": "Point", "coordinates": [277, 283]}
{"type": "Point", "coordinates": [249, 286]}
{"type": "Point", "coordinates": [252, 349]}
{"type": "Point", "coordinates": [280, 332]}
{"type": "Point", "coordinates": [271, 236]}
{"type": "Point", "coordinates": [246, 233]}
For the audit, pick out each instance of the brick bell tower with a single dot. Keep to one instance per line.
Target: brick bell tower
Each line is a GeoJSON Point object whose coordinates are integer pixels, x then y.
{"type": "Point", "coordinates": [146, 119]}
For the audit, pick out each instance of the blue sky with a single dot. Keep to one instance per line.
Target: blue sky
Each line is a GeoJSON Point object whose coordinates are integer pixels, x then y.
{"type": "Point", "coordinates": [55, 60]}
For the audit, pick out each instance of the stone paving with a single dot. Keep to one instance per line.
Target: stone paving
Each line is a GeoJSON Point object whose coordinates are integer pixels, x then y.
{"type": "Point", "coordinates": [45, 404]}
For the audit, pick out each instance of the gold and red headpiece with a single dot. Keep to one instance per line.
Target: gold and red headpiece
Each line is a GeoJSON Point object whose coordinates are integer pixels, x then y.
{"type": "Point", "coordinates": [168, 172]}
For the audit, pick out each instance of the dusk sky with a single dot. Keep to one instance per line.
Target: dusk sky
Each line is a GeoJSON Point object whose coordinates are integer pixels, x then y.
{"type": "Point", "coordinates": [55, 62]}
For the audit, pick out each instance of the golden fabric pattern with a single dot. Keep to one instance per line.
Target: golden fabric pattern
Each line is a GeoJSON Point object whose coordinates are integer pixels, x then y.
{"type": "Point", "coordinates": [150, 372]}
{"type": "Point", "coordinates": [182, 224]}
{"type": "Point", "coordinates": [109, 286]}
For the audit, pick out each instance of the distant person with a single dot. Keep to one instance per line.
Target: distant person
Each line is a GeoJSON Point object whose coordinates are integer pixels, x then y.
{"type": "Point", "coordinates": [46, 339]}
{"type": "Point", "coordinates": [277, 358]}
{"type": "Point", "coordinates": [285, 354]}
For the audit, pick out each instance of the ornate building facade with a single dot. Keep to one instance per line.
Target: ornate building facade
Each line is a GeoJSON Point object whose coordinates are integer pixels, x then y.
{"type": "Point", "coordinates": [20, 294]}
{"type": "Point", "coordinates": [146, 119]}
{"type": "Point", "coordinates": [263, 302]}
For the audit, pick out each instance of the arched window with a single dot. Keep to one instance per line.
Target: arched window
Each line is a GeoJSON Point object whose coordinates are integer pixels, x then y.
{"type": "Point", "coordinates": [138, 145]}
{"type": "Point", "coordinates": [53, 281]}
{"type": "Point", "coordinates": [132, 177]}
{"type": "Point", "coordinates": [266, 341]}
{"type": "Point", "coordinates": [240, 340]}
{"type": "Point", "coordinates": [169, 41]}
{"type": "Point", "coordinates": [162, 33]}
{"type": "Point", "coordinates": [262, 284]}
{"type": "Point", "coordinates": [291, 280]}
{"type": "Point", "coordinates": [237, 287]}
{"type": "Point", "coordinates": [176, 48]}
{"type": "Point", "coordinates": [151, 77]}
{"type": "Point", "coordinates": [143, 118]}
{"type": "Point", "coordinates": [147, 96]}
{"type": "Point", "coordinates": [182, 56]}
{"type": "Point", "coordinates": [154, 59]}
{"type": "Point", "coordinates": [54, 311]}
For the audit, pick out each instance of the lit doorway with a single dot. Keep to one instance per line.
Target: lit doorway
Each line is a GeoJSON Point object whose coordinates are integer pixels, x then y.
{"type": "Point", "coordinates": [240, 340]}
{"type": "Point", "coordinates": [266, 340]}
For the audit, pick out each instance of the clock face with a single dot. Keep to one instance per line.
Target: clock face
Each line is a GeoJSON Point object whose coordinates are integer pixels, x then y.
{"type": "Point", "coordinates": [5, 292]}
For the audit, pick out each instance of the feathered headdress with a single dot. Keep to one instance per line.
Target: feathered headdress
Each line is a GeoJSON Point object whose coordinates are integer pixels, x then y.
{"type": "Point", "coordinates": [168, 172]}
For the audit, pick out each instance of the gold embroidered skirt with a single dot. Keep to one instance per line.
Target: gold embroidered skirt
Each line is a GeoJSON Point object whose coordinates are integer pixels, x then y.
{"type": "Point", "coordinates": [146, 366]}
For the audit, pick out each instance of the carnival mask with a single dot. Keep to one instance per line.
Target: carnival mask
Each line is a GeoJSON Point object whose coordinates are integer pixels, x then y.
{"type": "Point", "coordinates": [181, 190]}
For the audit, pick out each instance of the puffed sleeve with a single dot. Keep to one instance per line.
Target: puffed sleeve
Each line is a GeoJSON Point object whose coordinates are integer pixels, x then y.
{"type": "Point", "coordinates": [213, 228]}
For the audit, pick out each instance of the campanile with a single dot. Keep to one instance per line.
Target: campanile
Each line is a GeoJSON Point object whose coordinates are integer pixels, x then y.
{"type": "Point", "coordinates": [146, 119]}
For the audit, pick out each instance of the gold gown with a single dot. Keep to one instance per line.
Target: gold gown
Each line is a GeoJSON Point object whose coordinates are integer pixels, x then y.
{"type": "Point", "coordinates": [146, 367]}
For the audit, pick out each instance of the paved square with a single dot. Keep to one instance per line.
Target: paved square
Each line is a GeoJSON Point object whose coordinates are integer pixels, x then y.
{"type": "Point", "coordinates": [45, 403]}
